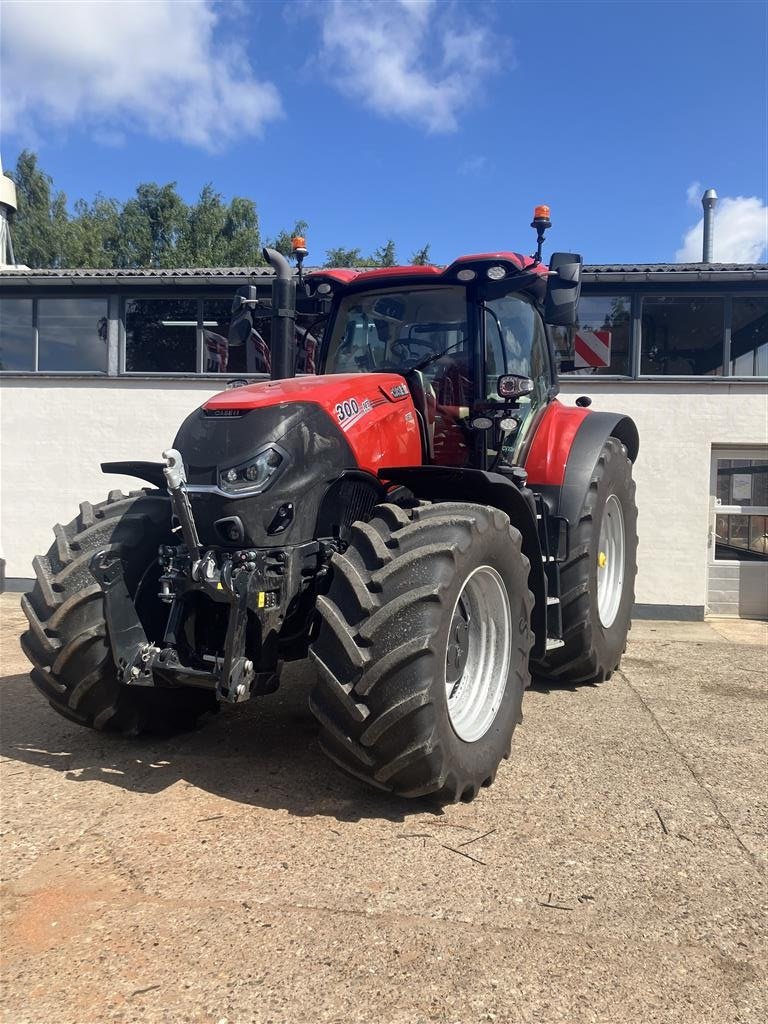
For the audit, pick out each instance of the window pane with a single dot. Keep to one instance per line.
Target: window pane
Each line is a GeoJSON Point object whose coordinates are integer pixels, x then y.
{"type": "Point", "coordinates": [17, 335]}
{"type": "Point", "coordinates": [742, 482]}
{"type": "Point", "coordinates": [749, 337]}
{"type": "Point", "coordinates": [682, 336]}
{"type": "Point", "coordinates": [599, 344]}
{"type": "Point", "coordinates": [741, 538]}
{"type": "Point", "coordinates": [221, 355]}
{"type": "Point", "coordinates": [161, 335]}
{"type": "Point", "coordinates": [72, 334]}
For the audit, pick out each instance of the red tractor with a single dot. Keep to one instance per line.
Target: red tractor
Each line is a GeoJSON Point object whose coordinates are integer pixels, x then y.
{"type": "Point", "coordinates": [422, 518]}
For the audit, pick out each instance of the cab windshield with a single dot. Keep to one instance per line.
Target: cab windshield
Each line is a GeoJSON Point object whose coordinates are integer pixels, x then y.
{"type": "Point", "coordinates": [401, 330]}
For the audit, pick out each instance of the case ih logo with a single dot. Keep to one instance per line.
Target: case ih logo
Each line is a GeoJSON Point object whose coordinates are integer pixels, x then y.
{"type": "Point", "coordinates": [591, 349]}
{"type": "Point", "coordinates": [399, 391]}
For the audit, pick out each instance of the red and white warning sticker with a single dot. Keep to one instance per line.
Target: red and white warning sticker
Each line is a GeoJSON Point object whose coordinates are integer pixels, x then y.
{"type": "Point", "coordinates": [591, 349]}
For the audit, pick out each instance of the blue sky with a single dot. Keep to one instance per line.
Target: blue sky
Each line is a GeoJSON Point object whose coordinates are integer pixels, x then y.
{"type": "Point", "coordinates": [440, 122]}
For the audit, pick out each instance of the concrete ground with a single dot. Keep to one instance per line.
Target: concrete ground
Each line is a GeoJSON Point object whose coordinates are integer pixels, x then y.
{"type": "Point", "coordinates": [615, 872]}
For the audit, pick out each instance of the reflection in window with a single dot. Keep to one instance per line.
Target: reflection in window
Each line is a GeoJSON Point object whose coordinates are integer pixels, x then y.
{"type": "Point", "coordinates": [599, 344]}
{"type": "Point", "coordinates": [232, 356]}
{"type": "Point", "coordinates": [741, 538]}
{"type": "Point", "coordinates": [161, 335]}
{"type": "Point", "coordinates": [682, 336]}
{"type": "Point", "coordinates": [309, 336]}
{"type": "Point", "coordinates": [742, 482]}
{"type": "Point", "coordinates": [219, 356]}
{"type": "Point", "coordinates": [72, 335]}
{"type": "Point", "coordinates": [749, 337]}
{"type": "Point", "coordinates": [17, 335]}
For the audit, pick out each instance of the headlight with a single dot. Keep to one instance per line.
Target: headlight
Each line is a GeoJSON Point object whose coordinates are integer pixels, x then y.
{"type": "Point", "coordinates": [252, 476]}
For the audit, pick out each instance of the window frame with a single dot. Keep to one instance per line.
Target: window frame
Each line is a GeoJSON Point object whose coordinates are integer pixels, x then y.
{"type": "Point", "coordinates": [104, 296]}
{"type": "Point", "coordinates": [691, 297]}
{"type": "Point", "coordinates": [630, 292]}
{"type": "Point", "coordinates": [199, 373]}
{"type": "Point", "coordinates": [748, 452]}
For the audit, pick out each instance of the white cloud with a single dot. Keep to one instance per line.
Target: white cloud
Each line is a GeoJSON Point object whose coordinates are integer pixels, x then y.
{"type": "Point", "coordinates": [147, 65]}
{"type": "Point", "coordinates": [408, 59]}
{"type": "Point", "coordinates": [740, 233]}
{"type": "Point", "coordinates": [693, 193]}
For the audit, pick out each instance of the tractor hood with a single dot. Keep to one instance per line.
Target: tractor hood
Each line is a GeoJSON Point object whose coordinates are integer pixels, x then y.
{"type": "Point", "coordinates": [300, 436]}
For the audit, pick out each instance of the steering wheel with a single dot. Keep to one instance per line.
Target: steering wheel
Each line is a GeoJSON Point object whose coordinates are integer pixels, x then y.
{"type": "Point", "coordinates": [410, 351]}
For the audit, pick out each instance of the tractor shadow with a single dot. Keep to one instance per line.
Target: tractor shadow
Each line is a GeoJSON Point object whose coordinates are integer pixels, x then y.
{"type": "Point", "coordinates": [263, 754]}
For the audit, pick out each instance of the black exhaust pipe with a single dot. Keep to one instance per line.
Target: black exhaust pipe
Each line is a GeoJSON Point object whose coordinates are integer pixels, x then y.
{"type": "Point", "coordinates": [283, 316]}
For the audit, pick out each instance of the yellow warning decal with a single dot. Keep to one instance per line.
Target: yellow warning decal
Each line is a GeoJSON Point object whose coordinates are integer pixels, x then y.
{"type": "Point", "coordinates": [219, 585]}
{"type": "Point", "coordinates": [262, 598]}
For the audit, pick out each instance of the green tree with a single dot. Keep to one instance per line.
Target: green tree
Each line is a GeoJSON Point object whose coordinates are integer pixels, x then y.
{"type": "Point", "coordinates": [201, 240]}
{"type": "Point", "coordinates": [151, 226]}
{"type": "Point", "coordinates": [40, 223]}
{"type": "Point", "coordinates": [92, 235]}
{"type": "Point", "coordinates": [385, 256]}
{"type": "Point", "coordinates": [241, 233]}
{"type": "Point", "coordinates": [345, 258]}
{"type": "Point", "coordinates": [421, 257]}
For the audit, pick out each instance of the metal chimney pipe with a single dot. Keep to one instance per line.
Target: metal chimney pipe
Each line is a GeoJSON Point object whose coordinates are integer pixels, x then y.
{"type": "Point", "coordinates": [709, 202]}
{"type": "Point", "coordinates": [283, 316]}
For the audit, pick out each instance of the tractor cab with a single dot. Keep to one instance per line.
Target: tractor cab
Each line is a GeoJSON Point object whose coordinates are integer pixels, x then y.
{"type": "Point", "coordinates": [470, 341]}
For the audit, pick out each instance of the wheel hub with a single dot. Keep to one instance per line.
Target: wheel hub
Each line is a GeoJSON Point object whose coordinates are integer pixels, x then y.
{"type": "Point", "coordinates": [458, 648]}
{"type": "Point", "coordinates": [478, 654]}
{"type": "Point", "coordinates": [610, 562]}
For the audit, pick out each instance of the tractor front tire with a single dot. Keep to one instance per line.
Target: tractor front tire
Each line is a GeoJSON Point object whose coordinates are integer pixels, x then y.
{"type": "Point", "coordinates": [423, 649]}
{"type": "Point", "coordinates": [68, 642]}
{"type": "Point", "coordinates": [597, 608]}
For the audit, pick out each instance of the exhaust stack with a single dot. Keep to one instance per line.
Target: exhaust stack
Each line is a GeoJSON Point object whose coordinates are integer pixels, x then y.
{"type": "Point", "coordinates": [283, 316]}
{"type": "Point", "coordinates": [709, 202]}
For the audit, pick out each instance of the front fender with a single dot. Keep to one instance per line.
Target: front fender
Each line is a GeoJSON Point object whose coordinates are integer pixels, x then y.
{"type": "Point", "coordinates": [564, 452]}
{"type": "Point", "coordinates": [152, 472]}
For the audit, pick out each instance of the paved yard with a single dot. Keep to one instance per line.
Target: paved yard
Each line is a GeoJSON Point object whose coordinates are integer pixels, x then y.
{"type": "Point", "coordinates": [615, 872]}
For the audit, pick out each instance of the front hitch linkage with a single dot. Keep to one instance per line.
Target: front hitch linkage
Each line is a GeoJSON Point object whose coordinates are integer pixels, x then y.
{"type": "Point", "coordinates": [135, 656]}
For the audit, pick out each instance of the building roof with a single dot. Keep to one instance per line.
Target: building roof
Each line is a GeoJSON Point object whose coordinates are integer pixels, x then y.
{"type": "Point", "coordinates": [130, 275]}
{"type": "Point", "coordinates": [610, 272]}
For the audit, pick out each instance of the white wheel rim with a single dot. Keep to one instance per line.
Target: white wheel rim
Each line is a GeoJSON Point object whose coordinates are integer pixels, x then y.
{"type": "Point", "coordinates": [610, 562]}
{"type": "Point", "coordinates": [478, 654]}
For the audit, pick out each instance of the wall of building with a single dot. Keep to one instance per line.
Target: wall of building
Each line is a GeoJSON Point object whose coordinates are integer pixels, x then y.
{"type": "Point", "coordinates": [679, 423]}
{"type": "Point", "coordinates": [55, 433]}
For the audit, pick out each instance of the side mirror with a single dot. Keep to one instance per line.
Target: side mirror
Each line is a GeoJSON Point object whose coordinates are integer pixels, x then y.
{"type": "Point", "coordinates": [513, 386]}
{"type": "Point", "coordinates": [563, 290]}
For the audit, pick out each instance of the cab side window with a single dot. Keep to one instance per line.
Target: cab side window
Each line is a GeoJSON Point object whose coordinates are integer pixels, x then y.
{"type": "Point", "coordinates": [516, 342]}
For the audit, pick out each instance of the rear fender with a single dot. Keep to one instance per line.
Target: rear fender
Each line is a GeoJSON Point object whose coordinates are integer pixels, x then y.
{"type": "Point", "coordinates": [446, 483]}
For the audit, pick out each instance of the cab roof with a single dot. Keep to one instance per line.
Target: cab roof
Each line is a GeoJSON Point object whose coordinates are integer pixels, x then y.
{"type": "Point", "coordinates": [513, 263]}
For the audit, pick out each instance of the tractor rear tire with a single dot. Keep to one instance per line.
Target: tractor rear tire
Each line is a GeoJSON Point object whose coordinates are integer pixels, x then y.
{"type": "Point", "coordinates": [67, 641]}
{"type": "Point", "coordinates": [595, 628]}
{"type": "Point", "coordinates": [391, 711]}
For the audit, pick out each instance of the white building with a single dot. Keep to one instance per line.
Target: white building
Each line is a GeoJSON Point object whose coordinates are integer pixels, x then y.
{"type": "Point", "coordinates": [100, 365]}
